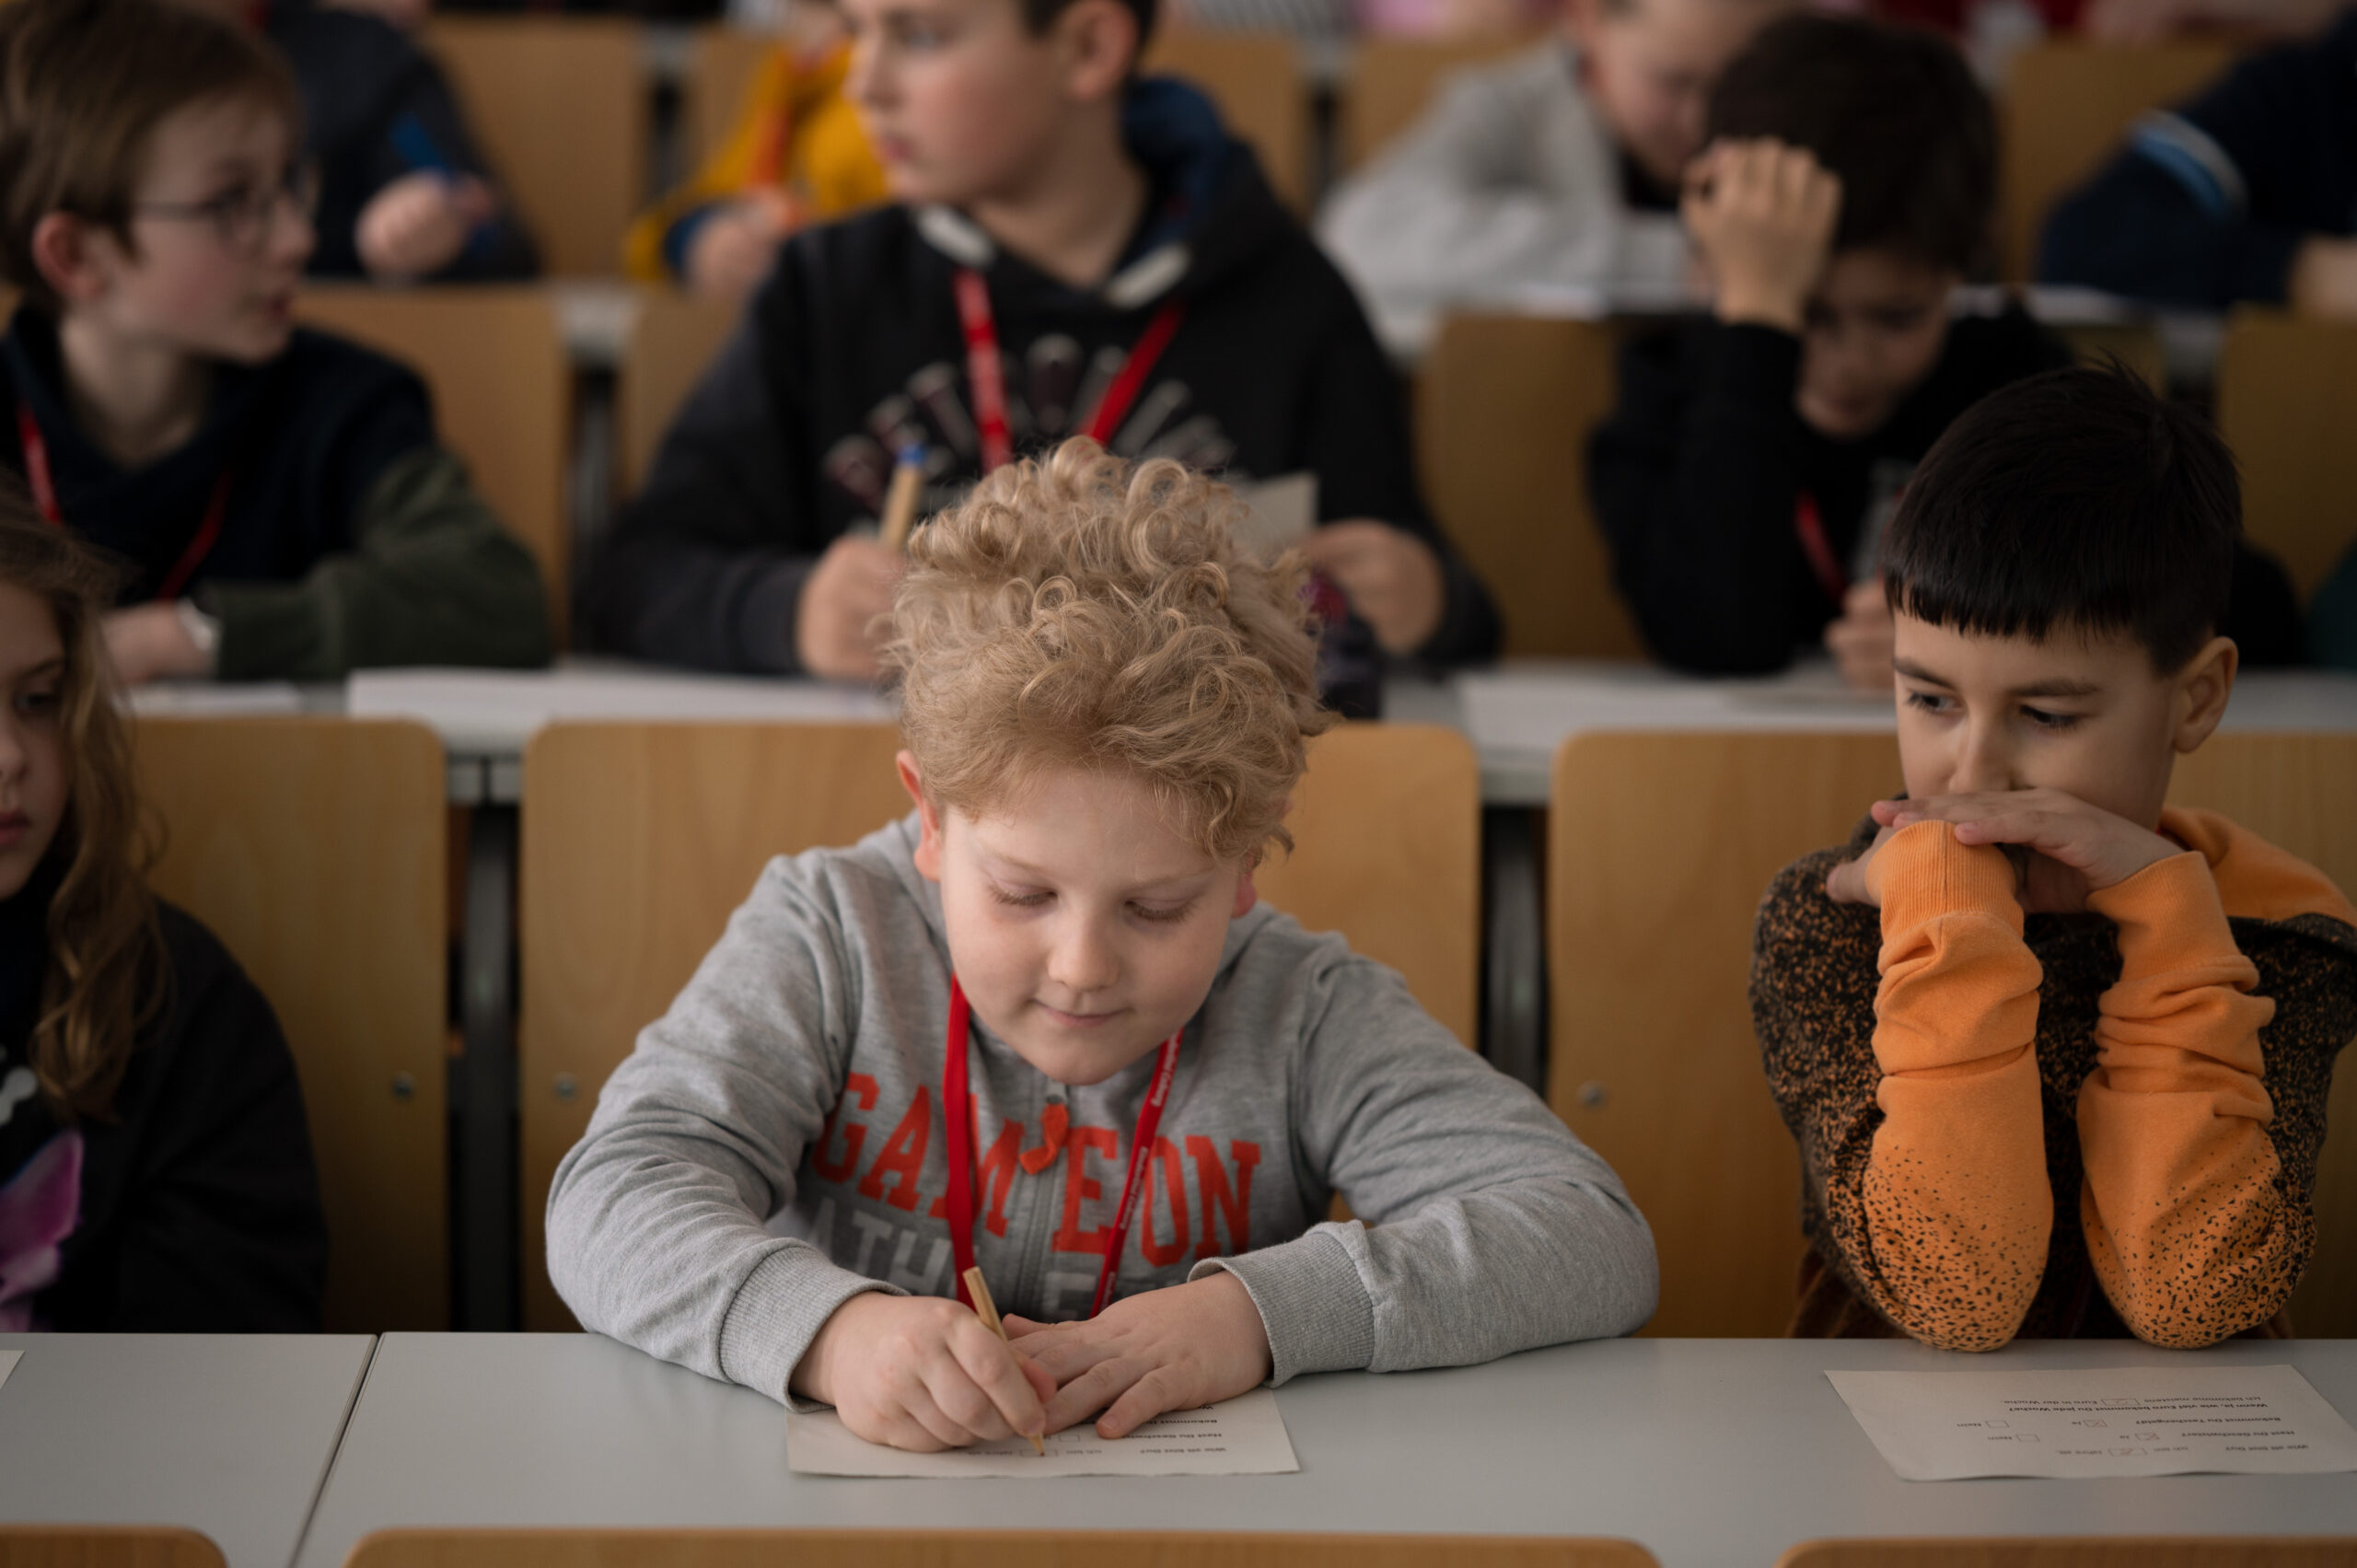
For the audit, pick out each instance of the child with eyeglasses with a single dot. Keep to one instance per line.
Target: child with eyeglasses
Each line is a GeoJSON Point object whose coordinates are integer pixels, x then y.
{"type": "Point", "coordinates": [279, 495]}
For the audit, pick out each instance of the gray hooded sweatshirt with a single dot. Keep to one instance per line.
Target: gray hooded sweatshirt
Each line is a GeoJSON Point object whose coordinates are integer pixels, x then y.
{"type": "Point", "coordinates": [774, 1145]}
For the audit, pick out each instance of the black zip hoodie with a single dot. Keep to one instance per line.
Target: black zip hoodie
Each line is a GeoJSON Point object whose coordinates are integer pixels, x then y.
{"type": "Point", "coordinates": [1696, 475]}
{"type": "Point", "coordinates": [192, 1205]}
{"type": "Point", "coordinates": [854, 348]}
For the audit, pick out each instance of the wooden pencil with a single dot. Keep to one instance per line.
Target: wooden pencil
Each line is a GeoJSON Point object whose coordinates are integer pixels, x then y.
{"type": "Point", "coordinates": [901, 502]}
{"type": "Point", "coordinates": [987, 1310]}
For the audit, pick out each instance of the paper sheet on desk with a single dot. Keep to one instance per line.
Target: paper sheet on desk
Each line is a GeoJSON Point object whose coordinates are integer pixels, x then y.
{"type": "Point", "coordinates": [1245, 1435]}
{"type": "Point", "coordinates": [2108, 1421]}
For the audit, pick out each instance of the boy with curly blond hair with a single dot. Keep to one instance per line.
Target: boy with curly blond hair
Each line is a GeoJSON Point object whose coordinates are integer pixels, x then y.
{"type": "Point", "coordinates": [1043, 1025]}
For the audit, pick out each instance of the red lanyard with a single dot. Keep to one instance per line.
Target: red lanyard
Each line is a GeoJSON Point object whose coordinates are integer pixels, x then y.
{"type": "Point", "coordinates": [986, 371]}
{"type": "Point", "coordinates": [44, 488]}
{"type": "Point", "coordinates": [1808, 522]}
{"type": "Point", "coordinates": [957, 1110]}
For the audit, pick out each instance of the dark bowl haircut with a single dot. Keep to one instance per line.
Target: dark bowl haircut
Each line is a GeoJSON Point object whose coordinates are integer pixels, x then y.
{"type": "Point", "coordinates": [1893, 112]}
{"type": "Point", "coordinates": [2074, 501]}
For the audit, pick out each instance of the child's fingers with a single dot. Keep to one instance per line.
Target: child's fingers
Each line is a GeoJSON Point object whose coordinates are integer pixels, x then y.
{"type": "Point", "coordinates": [992, 1398]}
{"type": "Point", "coordinates": [1149, 1397]}
{"type": "Point", "coordinates": [940, 1424]}
{"type": "Point", "coordinates": [1066, 1356]}
{"type": "Point", "coordinates": [1885, 812]}
{"type": "Point", "coordinates": [1091, 1392]}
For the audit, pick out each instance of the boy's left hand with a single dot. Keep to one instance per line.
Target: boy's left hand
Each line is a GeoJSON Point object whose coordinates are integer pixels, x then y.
{"type": "Point", "coordinates": [1163, 1350]}
{"type": "Point", "coordinates": [1391, 577]}
{"type": "Point", "coordinates": [2072, 848]}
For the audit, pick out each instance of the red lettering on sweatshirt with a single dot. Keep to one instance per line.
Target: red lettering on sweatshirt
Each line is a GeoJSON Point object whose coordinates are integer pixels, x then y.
{"type": "Point", "coordinates": [1235, 1204]}
{"type": "Point", "coordinates": [902, 1156]}
{"type": "Point", "coordinates": [1079, 1187]}
{"type": "Point", "coordinates": [859, 1087]}
{"type": "Point", "coordinates": [995, 1172]}
{"type": "Point", "coordinates": [1166, 1172]}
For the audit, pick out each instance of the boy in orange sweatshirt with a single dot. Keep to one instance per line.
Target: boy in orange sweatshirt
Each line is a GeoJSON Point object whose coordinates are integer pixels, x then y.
{"type": "Point", "coordinates": [2056, 1055]}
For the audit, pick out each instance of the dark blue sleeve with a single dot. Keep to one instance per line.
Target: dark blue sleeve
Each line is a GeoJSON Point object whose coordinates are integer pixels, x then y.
{"type": "Point", "coordinates": [2208, 204]}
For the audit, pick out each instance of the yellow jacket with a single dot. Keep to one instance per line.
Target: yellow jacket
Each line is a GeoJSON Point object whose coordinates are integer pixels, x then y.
{"type": "Point", "coordinates": [796, 107]}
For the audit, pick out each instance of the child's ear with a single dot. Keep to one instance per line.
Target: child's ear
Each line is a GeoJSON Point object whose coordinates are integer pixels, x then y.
{"type": "Point", "coordinates": [1246, 895]}
{"type": "Point", "coordinates": [928, 855]}
{"type": "Point", "coordinates": [2202, 687]}
{"type": "Point", "coordinates": [1098, 43]}
{"type": "Point", "coordinates": [72, 254]}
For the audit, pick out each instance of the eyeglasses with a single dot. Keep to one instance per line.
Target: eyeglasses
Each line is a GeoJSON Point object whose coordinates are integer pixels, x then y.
{"type": "Point", "coordinates": [242, 216]}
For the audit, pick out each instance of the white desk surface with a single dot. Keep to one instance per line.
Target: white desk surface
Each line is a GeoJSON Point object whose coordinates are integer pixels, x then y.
{"type": "Point", "coordinates": [227, 1434]}
{"type": "Point", "coordinates": [1713, 1453]}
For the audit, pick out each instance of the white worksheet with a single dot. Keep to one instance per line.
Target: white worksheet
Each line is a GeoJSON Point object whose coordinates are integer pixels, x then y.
{"type": "Point", "coordinates": [2105, 1422]}
{"type": "Point", "coordinates": [1245, 1435]}
{"type": "Point", "coordinates": [1279, 514]}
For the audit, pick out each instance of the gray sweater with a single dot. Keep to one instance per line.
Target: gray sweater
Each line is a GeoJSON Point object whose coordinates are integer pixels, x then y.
{"type": "Point", "coordinates": [773, 1147]}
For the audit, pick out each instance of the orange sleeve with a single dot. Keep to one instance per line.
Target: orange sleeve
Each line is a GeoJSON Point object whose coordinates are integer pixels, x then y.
{"type": "Point", "coordinates": [1958, 1202]}
{"type": "Point", "coordinates": [2183, 1207]}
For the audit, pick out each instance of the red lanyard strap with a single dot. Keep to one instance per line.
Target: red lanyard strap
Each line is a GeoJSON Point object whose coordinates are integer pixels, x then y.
{"type": "Point", "coordinates": [1808, 523]}
{"type": "Point", "coordinates": [44, 484]}
{"type": "Point", "coordinates": [986, 370]}
{"type": "Point", "coordinates": [957, 1110]}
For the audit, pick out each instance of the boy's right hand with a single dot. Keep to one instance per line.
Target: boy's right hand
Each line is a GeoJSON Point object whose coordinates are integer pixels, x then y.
{"type": "Point", "coordinates": [921, 1373]}
{"type": "Point", "coordinates": [418, 225]}
{"type": "Point", "coordinates": [1762, 215]}
{"type": "Point", "coordinates": [834, 629]}
{"type": "Point", "coordinates": [733, 249]}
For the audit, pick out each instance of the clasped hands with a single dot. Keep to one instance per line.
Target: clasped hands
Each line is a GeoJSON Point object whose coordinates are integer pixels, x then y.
{"type": "Point", "coordinates": [922, 1373]}
{"type": "Point", "coordinates": [2061, 848]}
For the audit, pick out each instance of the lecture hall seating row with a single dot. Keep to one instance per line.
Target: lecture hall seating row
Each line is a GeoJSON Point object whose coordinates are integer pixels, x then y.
{"type": "Point", "coordinates": [315, 847]}
{"type": "Point", "coordinates": [563, 106]}
{"type": "Point", "coordinates": [1495, 402]}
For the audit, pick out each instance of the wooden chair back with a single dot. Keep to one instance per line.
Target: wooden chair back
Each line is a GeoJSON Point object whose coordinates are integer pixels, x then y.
{"type": "Point", "coordinates": [1393, 80]}
{"type": "Point", "coordinates": [1659, 846]}
{"type": "Point", "coordinates": [2093, 1552]}
{"type": "Point", "coordinates": [978, 1549]}
{"type": "Point", "coordinates": [106, 1545]}
{"type": "Point", "coordinates": [2295, 791]}
{"type": "Point", "coordinates": [723, 62]}
{"type": "Point", "coordinates": [494, 358]}
{"type": "Point", "coordinates": [2066, 106]}
{"type": "Point", "coordinates": [639, 840]}
{"type": "Point", "coordinates": [1386, 829]}
{"type": "Point", "coordinates": [314, 848]}
{"type": "Point", "coordinates": [1504, 407]}
{"type": "Point", "coordinates": [638, 843]}
{"type": "Point", "coordinates": [562, 110]}
{"type": "Point", "coordinates": [2284, 385]}
{"type": "Point", "coordinates": [672, 343]}
{"type": "Point", "coordinates": [1256, 80]}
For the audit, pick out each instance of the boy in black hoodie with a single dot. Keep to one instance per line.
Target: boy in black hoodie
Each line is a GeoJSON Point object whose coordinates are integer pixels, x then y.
{"type": "Point", "coordinates": [1746, 477]}
{"type": "Point", "coordinates": [284, 507]}
{"type": "Point", "coordinates": [1073, 251]}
